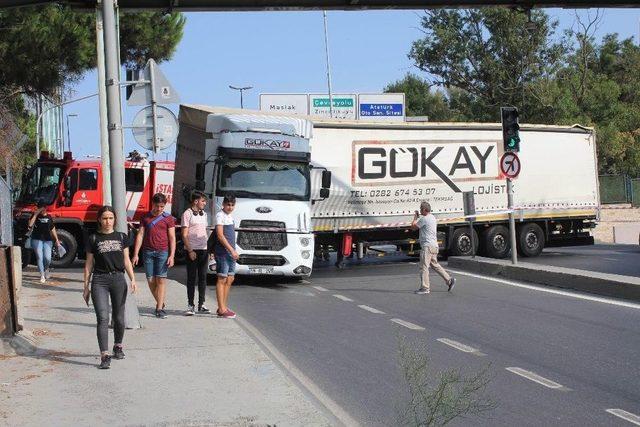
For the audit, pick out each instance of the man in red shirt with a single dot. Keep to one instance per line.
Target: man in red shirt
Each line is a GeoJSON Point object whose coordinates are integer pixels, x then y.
{"type": "Point", "coordinates": [157, 237]}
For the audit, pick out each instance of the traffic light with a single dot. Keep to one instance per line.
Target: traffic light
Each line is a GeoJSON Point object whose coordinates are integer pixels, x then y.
{"type": "Point", "coordinates": [510, 129]}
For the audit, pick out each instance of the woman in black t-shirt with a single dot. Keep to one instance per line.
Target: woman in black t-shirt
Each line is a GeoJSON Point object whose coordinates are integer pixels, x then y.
{"type": "Point", "coordinates": [108, 259]}
{"type": "Point", "coordinates": [43, 235]}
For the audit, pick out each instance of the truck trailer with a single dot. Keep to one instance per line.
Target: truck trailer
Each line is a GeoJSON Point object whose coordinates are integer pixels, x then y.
{"type": "Point", "coordinates": [305, 184]}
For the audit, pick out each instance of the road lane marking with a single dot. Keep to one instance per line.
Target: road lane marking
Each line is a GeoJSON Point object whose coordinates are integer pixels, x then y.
{"type": "Point", "coordinates": [459, 346]}
{"type": "Point", "coordinates": [550, 290]}
{"type": "Point", "coordinates": [342, 297]}
{"type": "Point", "coordinates": [306, 282]}
{"type": "Point", "coordinates": [627, 416]}
{"type": "Point", "coordinates": [371, 309]}
{"type": "Point", "coordinates": [535, 378]}
{"type": "Point", "coordinates": [299, 379]}
{"type": "Point", "coordinates": [320, 288]}
{"type": "Point", "coordinates": [408, 324]}
{"type": "Point", "coordinates": [610, 259]}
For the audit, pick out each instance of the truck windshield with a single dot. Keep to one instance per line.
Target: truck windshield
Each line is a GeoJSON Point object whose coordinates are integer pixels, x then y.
{"type": "Point", "coordinates": [41, 184]}
{"type": "Point", "coordinates": [264, 179]}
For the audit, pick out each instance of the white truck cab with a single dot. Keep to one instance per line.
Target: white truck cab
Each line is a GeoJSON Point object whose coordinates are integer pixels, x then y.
{"type": "Point", "coordinates": [265, 162]}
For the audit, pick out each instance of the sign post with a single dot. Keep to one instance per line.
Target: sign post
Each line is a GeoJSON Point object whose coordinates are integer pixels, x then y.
{"type": "Point", "coordinates": [510, 167]}
{"type": "Point", "coordinates": [469, 205]}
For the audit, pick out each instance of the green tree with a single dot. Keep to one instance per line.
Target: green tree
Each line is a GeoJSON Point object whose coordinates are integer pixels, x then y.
{"type": "Point", "coordinates": [421, 100]}
{"type": "Point", "coordinates": [46, 48]}
{"type": "Point", "coordinates": [489, 57]}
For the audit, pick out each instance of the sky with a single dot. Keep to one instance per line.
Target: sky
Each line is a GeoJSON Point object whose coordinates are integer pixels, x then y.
{"type": "Point", "coordinates": [283, 52]}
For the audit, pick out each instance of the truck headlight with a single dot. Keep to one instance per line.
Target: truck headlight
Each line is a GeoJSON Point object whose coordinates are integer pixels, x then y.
{"type": "Point", "coordinates": [306, 254]}
{"type": "Point", "coordinates": [304, 241]}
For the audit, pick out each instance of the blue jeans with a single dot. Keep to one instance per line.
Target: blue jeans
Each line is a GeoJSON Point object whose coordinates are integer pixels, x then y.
{"type": "Point", "coordinates": [155, 263]}
{"type": "Point", "coordinates": [225, 265]}
{"type": "Point", "coordinates": [42, 249]}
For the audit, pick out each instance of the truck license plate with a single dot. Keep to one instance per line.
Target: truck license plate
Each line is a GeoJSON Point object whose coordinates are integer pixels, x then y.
{"type": "Point", "coordinates": [261, 270]}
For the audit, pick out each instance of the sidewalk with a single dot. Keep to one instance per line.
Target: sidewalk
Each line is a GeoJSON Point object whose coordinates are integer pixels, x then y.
{"type": "Point", "coordinates": [197, 370]}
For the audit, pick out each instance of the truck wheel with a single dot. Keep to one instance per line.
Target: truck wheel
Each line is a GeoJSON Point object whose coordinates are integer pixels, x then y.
{"type": "Point", "coordinates": [461, 242]}
{"type": "Point", "coordinates": [68, 241]}
{"type": "Point", "coordinates": [496, 241]}
{"type": "Point", "coordinates": [530, 240]}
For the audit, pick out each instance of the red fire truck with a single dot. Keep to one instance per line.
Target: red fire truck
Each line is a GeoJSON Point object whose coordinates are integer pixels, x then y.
{"type": "Point", "coordinates": [72, 191]}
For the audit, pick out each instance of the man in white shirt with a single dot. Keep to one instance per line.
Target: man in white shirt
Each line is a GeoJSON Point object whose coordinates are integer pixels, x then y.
{"type": "Point", "coordinates": [428, 226]}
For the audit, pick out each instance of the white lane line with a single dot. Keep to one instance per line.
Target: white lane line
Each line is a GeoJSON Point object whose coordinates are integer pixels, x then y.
{"type": "Point", "coordinates": [459, 346]}
{"type": "Point", "coordinates": [627, 416]}
{"type": "Point", "coordinates": [306, 282]}
{"type": "Point", "coordinates": [535, 378]}
{"type": "Point", "coordinates": [371, 309]}
{"type": "Point", "coordinates": [610, 259]}
{"type": "Point", "coordinates": [550, 290]}
{"type": "Point", "coordinates": [342, 297]}
{"type": "Point", "coordinates": [408, 324]}
{"type": "Point", "coordinates": [320, 288]}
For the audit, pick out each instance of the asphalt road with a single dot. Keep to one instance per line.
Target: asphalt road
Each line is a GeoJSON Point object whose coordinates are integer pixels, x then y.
{"type": "Point", "coordinates": [339, 331]}
{"type": "Point", "coordinates": [613, 259]}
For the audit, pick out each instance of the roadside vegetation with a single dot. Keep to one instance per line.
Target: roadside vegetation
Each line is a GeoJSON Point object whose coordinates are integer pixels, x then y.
{"type": "Point", "coordinates": [438, 397]}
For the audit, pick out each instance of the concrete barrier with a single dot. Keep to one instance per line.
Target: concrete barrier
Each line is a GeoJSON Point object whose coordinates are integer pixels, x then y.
{"type": "Point", "coordinates": [610, 285]}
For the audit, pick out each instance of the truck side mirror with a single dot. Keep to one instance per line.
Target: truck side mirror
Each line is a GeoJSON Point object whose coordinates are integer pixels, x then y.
{"type": "Point", "coordinates": [326, 179]}
{"type": "Point", "coordinates": [66, 194]}
{"type": "Point", "coordinates": [324, 193]}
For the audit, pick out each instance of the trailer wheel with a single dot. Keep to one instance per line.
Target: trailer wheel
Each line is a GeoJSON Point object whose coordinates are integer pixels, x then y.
{"type": "Point", "coordinates": [530, 240]}
{"type": "Point", "coordinates": [496, 241]}
{"type": "Point", "coordinates": [68, 241]}
{"type": "Point", "coordinates": [461, 242]}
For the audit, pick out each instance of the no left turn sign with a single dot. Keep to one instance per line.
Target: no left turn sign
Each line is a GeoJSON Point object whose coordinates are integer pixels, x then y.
{"type": "Point", "coordinates": [510, 165]}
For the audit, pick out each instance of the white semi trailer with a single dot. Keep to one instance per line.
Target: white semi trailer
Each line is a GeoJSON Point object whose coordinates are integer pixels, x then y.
{"type": "Point", "coordinates": [379, 174]}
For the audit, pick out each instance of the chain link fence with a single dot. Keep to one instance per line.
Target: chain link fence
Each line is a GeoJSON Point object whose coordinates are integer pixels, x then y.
{"type": "Point", "coordinates": [6, 224]}
{"type": "Point", "coordinates": [616, 189]}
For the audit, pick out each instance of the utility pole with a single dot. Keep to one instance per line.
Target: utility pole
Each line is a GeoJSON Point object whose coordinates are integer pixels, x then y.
{"type": "Point", "coordinates": [102, 104]}
{"type": "Point", "coordinates": [116, 146]}
{"type": "Point", "coordinates": [114, 116]}
{"type": "Point", "coordinates": [326, 50]}
{"type": "Point", "coordinates": [512, 222]}
{"type": "Point", "coordinates": [241, 89]}
{"type": "Point", "coordinates": [69, 131]}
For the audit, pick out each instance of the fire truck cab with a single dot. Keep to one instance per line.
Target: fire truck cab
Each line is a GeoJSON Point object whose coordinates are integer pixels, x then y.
{"type": "Point", "coordinates": [72, 191]}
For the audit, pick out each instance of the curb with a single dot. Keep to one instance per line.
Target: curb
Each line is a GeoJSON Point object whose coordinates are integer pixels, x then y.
{"type": "Point", "coordinates": [609, 285]}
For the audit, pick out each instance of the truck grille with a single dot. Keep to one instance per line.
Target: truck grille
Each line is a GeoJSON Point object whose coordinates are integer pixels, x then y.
{"type": "Point", "coordinates": [268, 236]}
{"type": "Point", "coordinates": [261, 260]}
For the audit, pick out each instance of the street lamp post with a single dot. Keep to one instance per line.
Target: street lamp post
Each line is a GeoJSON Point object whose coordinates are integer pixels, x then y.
{"type": "Point", "coordinates": [241, 89]}
{"type": "Point", "coordinates": [68, 131]}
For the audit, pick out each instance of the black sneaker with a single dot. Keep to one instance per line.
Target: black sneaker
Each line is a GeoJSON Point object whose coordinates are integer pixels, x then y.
{"type": "Point", "coordinates": [161, 314]}
{"type": "Point", "coordinates": [118, 353]}
{"type": "Point", "coordinates": [203, 310]}
{"type": "Point", "coordinates": [452, 283]}
{"type": "Point", "coordinates": [105, 362]}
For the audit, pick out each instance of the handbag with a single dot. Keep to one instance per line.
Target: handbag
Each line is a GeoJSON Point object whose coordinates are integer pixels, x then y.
{"type": "Point", "coordinates": [61, 250]}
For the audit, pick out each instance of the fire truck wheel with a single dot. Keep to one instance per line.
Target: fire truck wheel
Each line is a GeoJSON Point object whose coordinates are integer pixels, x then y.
{"type": "Point", "coordinates": [68, 241]}
{"type": "Point", "coordinates": [27, 254]}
